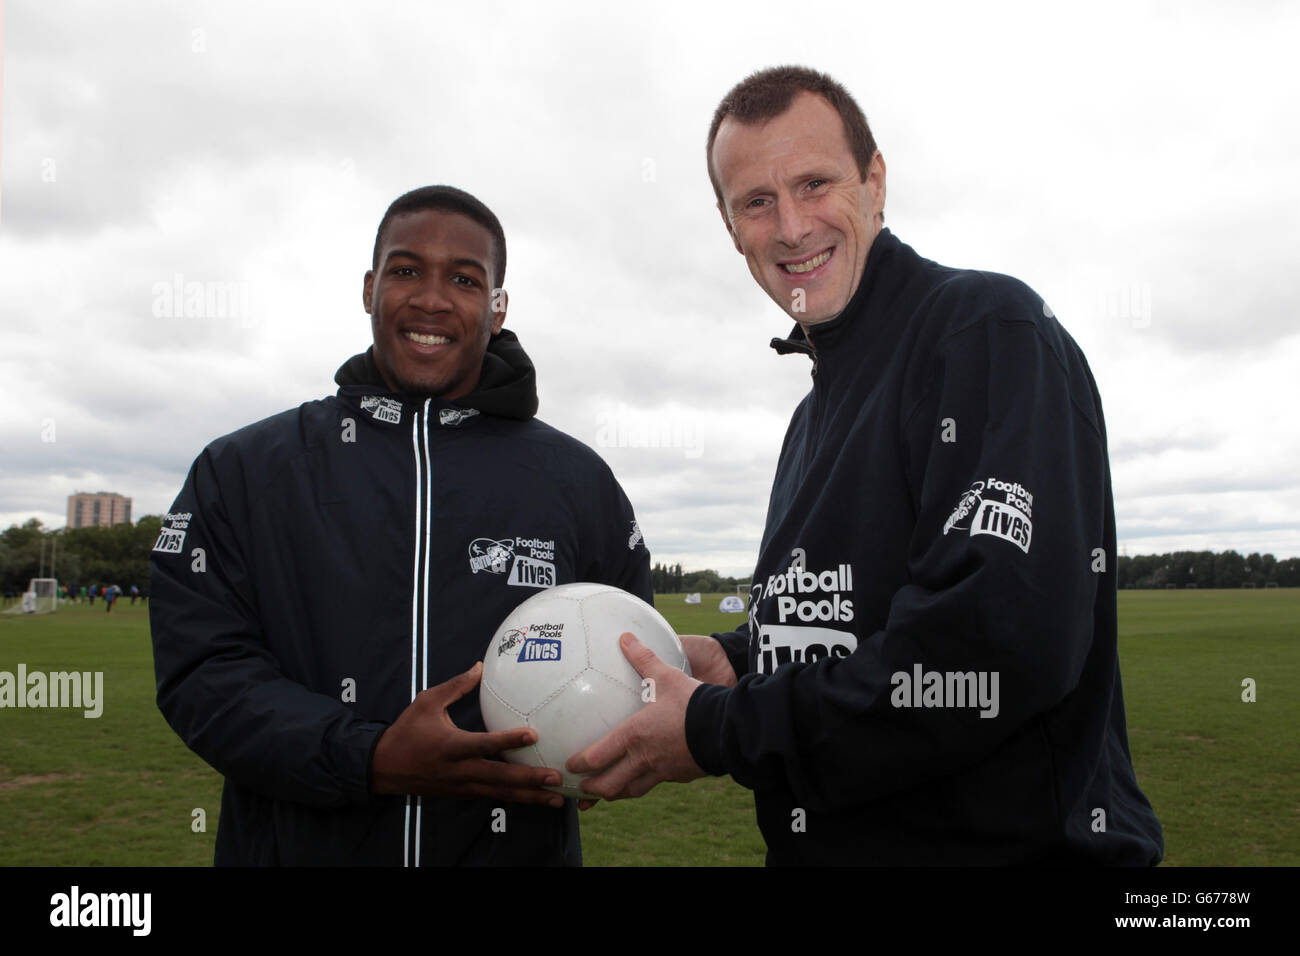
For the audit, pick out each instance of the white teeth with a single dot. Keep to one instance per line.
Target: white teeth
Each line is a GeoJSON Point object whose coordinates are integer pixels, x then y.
{"type": "Point", "coordinates": [808, 266]}
{"type": "Point", "coordinates": [419, 339]}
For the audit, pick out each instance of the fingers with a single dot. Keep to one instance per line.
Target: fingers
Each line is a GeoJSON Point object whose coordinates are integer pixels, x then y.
{"type": "Point", "coordinates": [600, 754]}
{"type": "Point", "coordinates": [645, 661]}
{"type": "Point", "coordinates": [454, 688]}
{"type": "Point", "coordinates": [624, 779]}
{"type": "Point", "coordinates": [469, 744]}
{"type": "Point", "coordinates": [494, 780]}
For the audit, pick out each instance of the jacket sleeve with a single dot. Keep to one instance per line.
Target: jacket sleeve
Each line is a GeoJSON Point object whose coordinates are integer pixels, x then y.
{"type": "Point", "coordinates": [736, 646]}
{"type": "Point", "coordinates": [219, 686]}
{"type": "Point", "coordinates": [1005, 590]}
{"type": "Point", "coordinates": [616, 550]}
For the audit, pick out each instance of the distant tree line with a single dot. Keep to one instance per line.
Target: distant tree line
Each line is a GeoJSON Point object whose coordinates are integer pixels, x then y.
{"type": "Point", "coordinates": [78, 556]}
{"type": "Point", "coordinates": [671, 579]}
{"type": "Point", "coordinates": [1201, 569]}
{"type": "Point", "coordinates": [120, 555]}
{"type": "Point", "coordinates": [1207, 569]}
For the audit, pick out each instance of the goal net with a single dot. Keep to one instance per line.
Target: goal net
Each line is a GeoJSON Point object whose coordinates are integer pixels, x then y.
{"type": "Point", "coordinates": [43, 596]}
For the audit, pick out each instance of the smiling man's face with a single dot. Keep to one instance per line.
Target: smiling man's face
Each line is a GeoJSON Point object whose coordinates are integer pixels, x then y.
{"type": "Point", "coordinates": [431, 303]}
{"type": "Point", "coordinates": [797, 208]}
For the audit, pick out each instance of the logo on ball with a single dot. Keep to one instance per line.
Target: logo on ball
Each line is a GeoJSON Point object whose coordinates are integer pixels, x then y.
{"type": "Point", "coordinates": [555, 665]}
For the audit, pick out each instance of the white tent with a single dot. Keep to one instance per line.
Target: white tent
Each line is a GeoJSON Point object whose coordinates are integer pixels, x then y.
{"type": "Point", "coordinates": [732, 604]}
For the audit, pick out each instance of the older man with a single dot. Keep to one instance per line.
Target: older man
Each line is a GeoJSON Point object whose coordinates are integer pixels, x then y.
{"type": "Point", "coordinates": [929, 662]}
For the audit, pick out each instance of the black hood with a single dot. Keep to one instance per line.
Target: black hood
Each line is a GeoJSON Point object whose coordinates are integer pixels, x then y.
{"type": "Point", "coordinates": [507, 385]}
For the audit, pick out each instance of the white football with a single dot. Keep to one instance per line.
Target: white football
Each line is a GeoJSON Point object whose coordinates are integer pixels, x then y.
{"type": "Point", "coordinates": [555, 665]}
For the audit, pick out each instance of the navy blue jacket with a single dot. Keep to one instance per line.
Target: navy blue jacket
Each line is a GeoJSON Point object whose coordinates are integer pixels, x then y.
{"type": "Point", "coordinates": [930, 667]}
{"type": "Point", "coordinates": [323, 566]}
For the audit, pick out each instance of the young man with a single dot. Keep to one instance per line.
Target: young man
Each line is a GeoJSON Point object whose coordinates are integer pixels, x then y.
{"type": "Point", "coordinates": [930, 668]}
{"type": "Point", "coordinates": [318, 611]}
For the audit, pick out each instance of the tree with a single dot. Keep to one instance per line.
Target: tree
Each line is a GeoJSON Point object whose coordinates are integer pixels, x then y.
{"type": "Point", "coordinates": [1229, 570]}
{"type": "Point", "coordinates": [20, 554]}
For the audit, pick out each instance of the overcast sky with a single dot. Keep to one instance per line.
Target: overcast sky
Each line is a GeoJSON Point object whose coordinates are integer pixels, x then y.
{"type": "Point", "coordinates": [1135, 164]}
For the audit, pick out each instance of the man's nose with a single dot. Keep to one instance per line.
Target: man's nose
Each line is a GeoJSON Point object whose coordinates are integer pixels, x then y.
{"type": "Point", "coordinates": [793, 222]}
{"type": "Point", "coordinates": [432, 296]}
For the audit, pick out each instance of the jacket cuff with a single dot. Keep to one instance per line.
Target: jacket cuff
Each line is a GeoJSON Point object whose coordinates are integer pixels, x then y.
{"type": "Point", "coordinates": [736, 647]}
{"type": "Point", "coordinates": [703, 722]}
{"type": "Point", "coordinates": [380, 730]}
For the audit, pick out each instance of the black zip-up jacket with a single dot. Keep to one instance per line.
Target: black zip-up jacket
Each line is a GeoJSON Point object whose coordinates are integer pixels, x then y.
{"type": "Point", "coordinates": [323, 566]}
{"type": "Point", "coordinates": [930, 666]}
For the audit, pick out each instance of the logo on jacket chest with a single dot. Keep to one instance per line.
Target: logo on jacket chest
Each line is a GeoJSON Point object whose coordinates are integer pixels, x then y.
{"type": "Point", "coordinates": [527, 562]}
{"type": "Point", "coordinates": [803, 601]}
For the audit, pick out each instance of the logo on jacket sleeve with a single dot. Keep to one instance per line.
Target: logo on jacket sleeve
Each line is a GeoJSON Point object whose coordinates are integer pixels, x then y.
{"type": "Point", "coordinates": [171, 538]}
{"type": "Point", "coordinates": [534, 569]}
{"type": "Point", "coordinates": [1007, 512]}
{"type": "Point", "coordinates": [634, 538]}
{"type": "Point", "coordinates": [382, 408]}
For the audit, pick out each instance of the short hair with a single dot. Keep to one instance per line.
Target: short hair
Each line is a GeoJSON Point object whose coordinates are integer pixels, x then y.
{"type": "Point", "coordinates": [767, 94]}
{"type": "Point", "coordinates": [447, 199]}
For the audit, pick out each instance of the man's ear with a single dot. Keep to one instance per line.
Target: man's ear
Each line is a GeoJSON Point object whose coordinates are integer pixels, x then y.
{"type": "Point", "coordinates": [876, 184]}
{"type": "Point", "coordinates": [500, 301]}
{"type": "Point", "coordinates": [368, 290]}
{"type": "Point", "coordinates": [731, 232]}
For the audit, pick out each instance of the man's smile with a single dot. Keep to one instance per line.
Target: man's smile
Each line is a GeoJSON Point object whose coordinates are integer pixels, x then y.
{"type": "Point", "coordinates": [802, 267]}
{"type": "Point", "coordinates": [423, 338]}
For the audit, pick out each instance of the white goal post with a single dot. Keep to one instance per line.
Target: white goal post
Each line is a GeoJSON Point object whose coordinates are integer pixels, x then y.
{"type": "Point", "coordinates": [45, 592]}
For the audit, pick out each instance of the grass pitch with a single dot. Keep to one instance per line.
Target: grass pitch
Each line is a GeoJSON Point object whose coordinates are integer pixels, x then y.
{"type": "Point", "coordinates": [1221, 773]}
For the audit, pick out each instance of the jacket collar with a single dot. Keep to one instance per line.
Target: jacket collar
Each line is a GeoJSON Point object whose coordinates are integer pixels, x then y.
{"type": "Point", "coordinates": [827, 335]}
{"type": "Point", "coordinates": [507, 385]}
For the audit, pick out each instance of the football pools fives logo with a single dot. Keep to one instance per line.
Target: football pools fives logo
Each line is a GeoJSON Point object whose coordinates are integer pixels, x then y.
{"type": "Point", "coordinates": [532, 642]}
{"type": "Point", "coordinates": [171, 537]}
{"type": "Point", "coordinates": [382, 408]}
{"type": "Point", "coordinates": [534, 569]}
{"type": "Point", "coordinates": [1004, 509]}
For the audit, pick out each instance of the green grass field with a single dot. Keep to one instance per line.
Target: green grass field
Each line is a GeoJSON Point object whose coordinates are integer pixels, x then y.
{"type": "Point", "coordinates": [1221, 773]}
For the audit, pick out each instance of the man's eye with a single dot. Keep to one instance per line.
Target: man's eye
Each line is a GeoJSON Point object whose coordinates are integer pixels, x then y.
{"type": "Point", "coordinates": [467, 280]}
{"type": "Point", "coordinates": [756, 203]}
{"type": "Point", "coordinates": [400, 270]}
{"type": "Point", "coordinates": [815, 183]}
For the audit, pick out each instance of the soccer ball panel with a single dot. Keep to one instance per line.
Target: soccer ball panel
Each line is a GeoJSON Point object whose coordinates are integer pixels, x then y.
{"type": "Point", "coordinates": [585, 709]}
{"type": "Point", "coordinates": [607, 615]}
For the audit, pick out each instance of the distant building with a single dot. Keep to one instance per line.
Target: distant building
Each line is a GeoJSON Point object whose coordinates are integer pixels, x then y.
{"type": "Point", "coordinates": [103, 509]}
